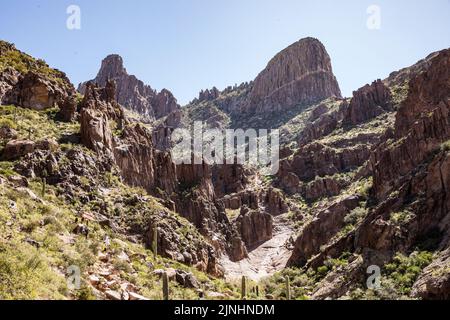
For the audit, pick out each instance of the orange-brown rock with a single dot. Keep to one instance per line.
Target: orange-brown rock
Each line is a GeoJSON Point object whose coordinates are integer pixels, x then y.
{"type": "Point", "coordinates": [275, 202]}
{"type": "Point", "coordinates": [434, 282]}
{"type": "Point", "coordinates": [254, 226]}
{"type": "Point", "coordinates": [422, 125]}
{"type": "Point", "coordinates": [367, 103]}
{"type": "Point", "coordinates": [300, 74]}
{"type": "Point", "coordinates": [132, 93]}
{"type": "Point", "coordinates": [316, 159]}
{"type": "Point", "coordinates": [229, 178]}
{"type": "Point", "coordinates": [321, 229]}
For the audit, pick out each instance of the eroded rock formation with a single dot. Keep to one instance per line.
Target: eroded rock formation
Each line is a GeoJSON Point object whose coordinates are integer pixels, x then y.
{"type": "Point", "coordinates": [368, 102]}
{"type": "Point", "coordinates": [300, 74]}
{"type": "Point", "coordinates": [132, 93]}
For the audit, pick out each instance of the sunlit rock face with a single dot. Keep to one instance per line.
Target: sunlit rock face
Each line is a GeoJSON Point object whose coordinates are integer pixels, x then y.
{"type": "Point", "coordinates": [300, 74]}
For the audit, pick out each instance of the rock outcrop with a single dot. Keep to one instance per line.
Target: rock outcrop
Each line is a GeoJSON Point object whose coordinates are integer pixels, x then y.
{"type": "Point", "coordinates": [16, 149]}
{"type": "Point", "coordinates": [208, 95]}
{"type": "Point", "coordinates": [300, 74]}
{"type": "Point", "coordinates": [368, 102]}
{"type": "Point", "coordinates": [434, 282]}
{"type": "Point", "coordinates": [230, 178]}
{"type": "Point", "coordinates": [316, 159]}
{"type": "Point", "coordinates": [132, 93]}
{"type": "Point", "coordinates": [105, 129]}
{"type": "Point", "coordinates": [186, 188]}
{"type": "Point", "coordinates": [254, 226]}
{"type": "Point", "coordinates": [38, 92]}
{"type": "Point", "coordinates": [408, 205]}
{"type": "Point", "coordinates": [98, 111]}
{"type": "Point", "coordinates": [325, 225]}
{"type": "Point", "coordinates": [8, 79]}
{"type": "Point", "coordinates": [422, 125]}
{"type": "Point", "coordinates": [29, 82]}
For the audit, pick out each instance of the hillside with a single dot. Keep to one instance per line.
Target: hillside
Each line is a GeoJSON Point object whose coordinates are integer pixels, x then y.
{"type": "Point", "coordinates": [88, 180]}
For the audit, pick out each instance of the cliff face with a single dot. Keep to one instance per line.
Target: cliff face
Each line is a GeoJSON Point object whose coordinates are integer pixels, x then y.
{"type": "Point", "coordinates": [30, 82]}
{"type": "Point", "coordinates": [294, 79]}
{"type": "Point", "coordinates": [300, 74]}
{"type": "Point", "coordinates": [132, 93]}
{"type": "Point", "coordinates": [362, 180]}
{"type": "Point", "coordinates": [407, 207]}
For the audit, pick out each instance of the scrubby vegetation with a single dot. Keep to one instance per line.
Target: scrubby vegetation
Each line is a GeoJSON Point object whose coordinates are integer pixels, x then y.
{"type": "Point", "coordinates": [37, 125]}
{"type": "Point", "coordinates": [38, 241]}
{"type": "Point", "coordinates": [38, 245]}
{"type": "Point", "coordinates": [10, 57]}
{"type": "Point", "coordinates": [397, 277]}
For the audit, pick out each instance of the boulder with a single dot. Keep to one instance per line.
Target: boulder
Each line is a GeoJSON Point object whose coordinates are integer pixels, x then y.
{"type": "Point", "coordinates": [18, 181]}
{"type": "Point", "coordinates": [255, 227]}
{"type": "Point", "coordinates": [16, 149]}
{"type": "Point", "coordinates": [186, 279]}
{"type": "Point", "coordinates": [7, 133]}
{"type": "Point", "coordinates": [434, 281]}
{"type": "Point", "coordinates": [113, 295]}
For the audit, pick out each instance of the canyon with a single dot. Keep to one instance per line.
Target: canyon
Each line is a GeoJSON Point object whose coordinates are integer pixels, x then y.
{"type": "Point", "coordinates": [362, 181]}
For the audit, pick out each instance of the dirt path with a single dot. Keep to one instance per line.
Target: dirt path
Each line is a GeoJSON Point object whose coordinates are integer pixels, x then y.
{"type": "Point", "coordinates": [266, 259]}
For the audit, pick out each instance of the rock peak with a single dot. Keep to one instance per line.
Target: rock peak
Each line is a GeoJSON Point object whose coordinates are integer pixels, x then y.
{"type": "Point", "coordinates": [132, 93]}
{"type": "Point", "coordinates": [299, 74]}
{"type": "Point", "coordinates": [112, 67]}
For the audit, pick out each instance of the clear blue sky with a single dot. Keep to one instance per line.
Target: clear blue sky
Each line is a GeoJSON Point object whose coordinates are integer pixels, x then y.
{"type": "Point", "coordinates": [188, 45]}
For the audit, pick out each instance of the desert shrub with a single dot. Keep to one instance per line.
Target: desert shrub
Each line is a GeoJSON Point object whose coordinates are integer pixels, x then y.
{"type": "Point", "coordinates": [24, 274]}
{"type": "Point", "coordinates": [401, 217]}
{"type": "Point", "coordinates": [85, 293]}
{"type": "Point", "coordinates": [404, 270]}
{"type": "Point", "coordinates": [7, 123]}
{"type": "Point", "coordinates": [355, 216]}
{"type": "Point", "coordinates": [445, 146]}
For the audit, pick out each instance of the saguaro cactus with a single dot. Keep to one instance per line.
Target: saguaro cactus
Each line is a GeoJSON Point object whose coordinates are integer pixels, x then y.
{"type": "Point", "coordinates": [244, 288]}
{"type": "Point", "coordinates": [15, 115]}
{"type": "Point", "coordinates": [288, 288]}
{"type": "Point", "coordinates": [44, 182]}
{"type": "Point", "coordinates": [44, 186]}
{"type": "Point", "coordinates": [155, 241]}
{"type": "Point", "coordinates": [165, 288]}
{"type": "Point", "coordinates": [257, 290]}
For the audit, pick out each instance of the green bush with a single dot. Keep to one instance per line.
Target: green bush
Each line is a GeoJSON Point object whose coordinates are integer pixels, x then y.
{"type": "Point", "coordinates": [445, 146]}
{"type": "Point", "coordinates": [404, 270]}
{"type": "Point", "coordinates": [401, 217]}
{"type": "Point", "coordinates": [355, 216]}
{"type": "Point", "coordinates": [7, 123]}
{"type": "Point", "coordinates": [24, 274]}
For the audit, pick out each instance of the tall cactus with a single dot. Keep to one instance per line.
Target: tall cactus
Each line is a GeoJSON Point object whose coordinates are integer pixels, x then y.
{"type": "Point", "coordinates": [44, 182]}
{"type": "Point", "coordinates": [244, 288]}
{"type": "Point", "coordinates": [44, 186]}
{"type": "Point", "coordinates": [155, 241]}
{"type": "Point", "coordinates": [15, 115]}
{"type": "Point", "coordinates": [257, 291]}
{"type": "Point", "coordinates": [288, 288]}
{"type": "Point", "coordinates": [165, 288]}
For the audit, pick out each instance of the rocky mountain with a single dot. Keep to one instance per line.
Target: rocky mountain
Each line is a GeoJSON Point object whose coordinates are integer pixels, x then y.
{"type": "Point", "coordinates": [295, 78]}
{"type": "Point", "coordinates": [132, 93]}
{"type": "Point", "coordinates": [300, 74]}
{"type": "Point", "coordinates": [363, 184]}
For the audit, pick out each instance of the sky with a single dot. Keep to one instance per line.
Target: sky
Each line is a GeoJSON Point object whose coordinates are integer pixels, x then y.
{"type": "Point", "coordinates": [189, 45]}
